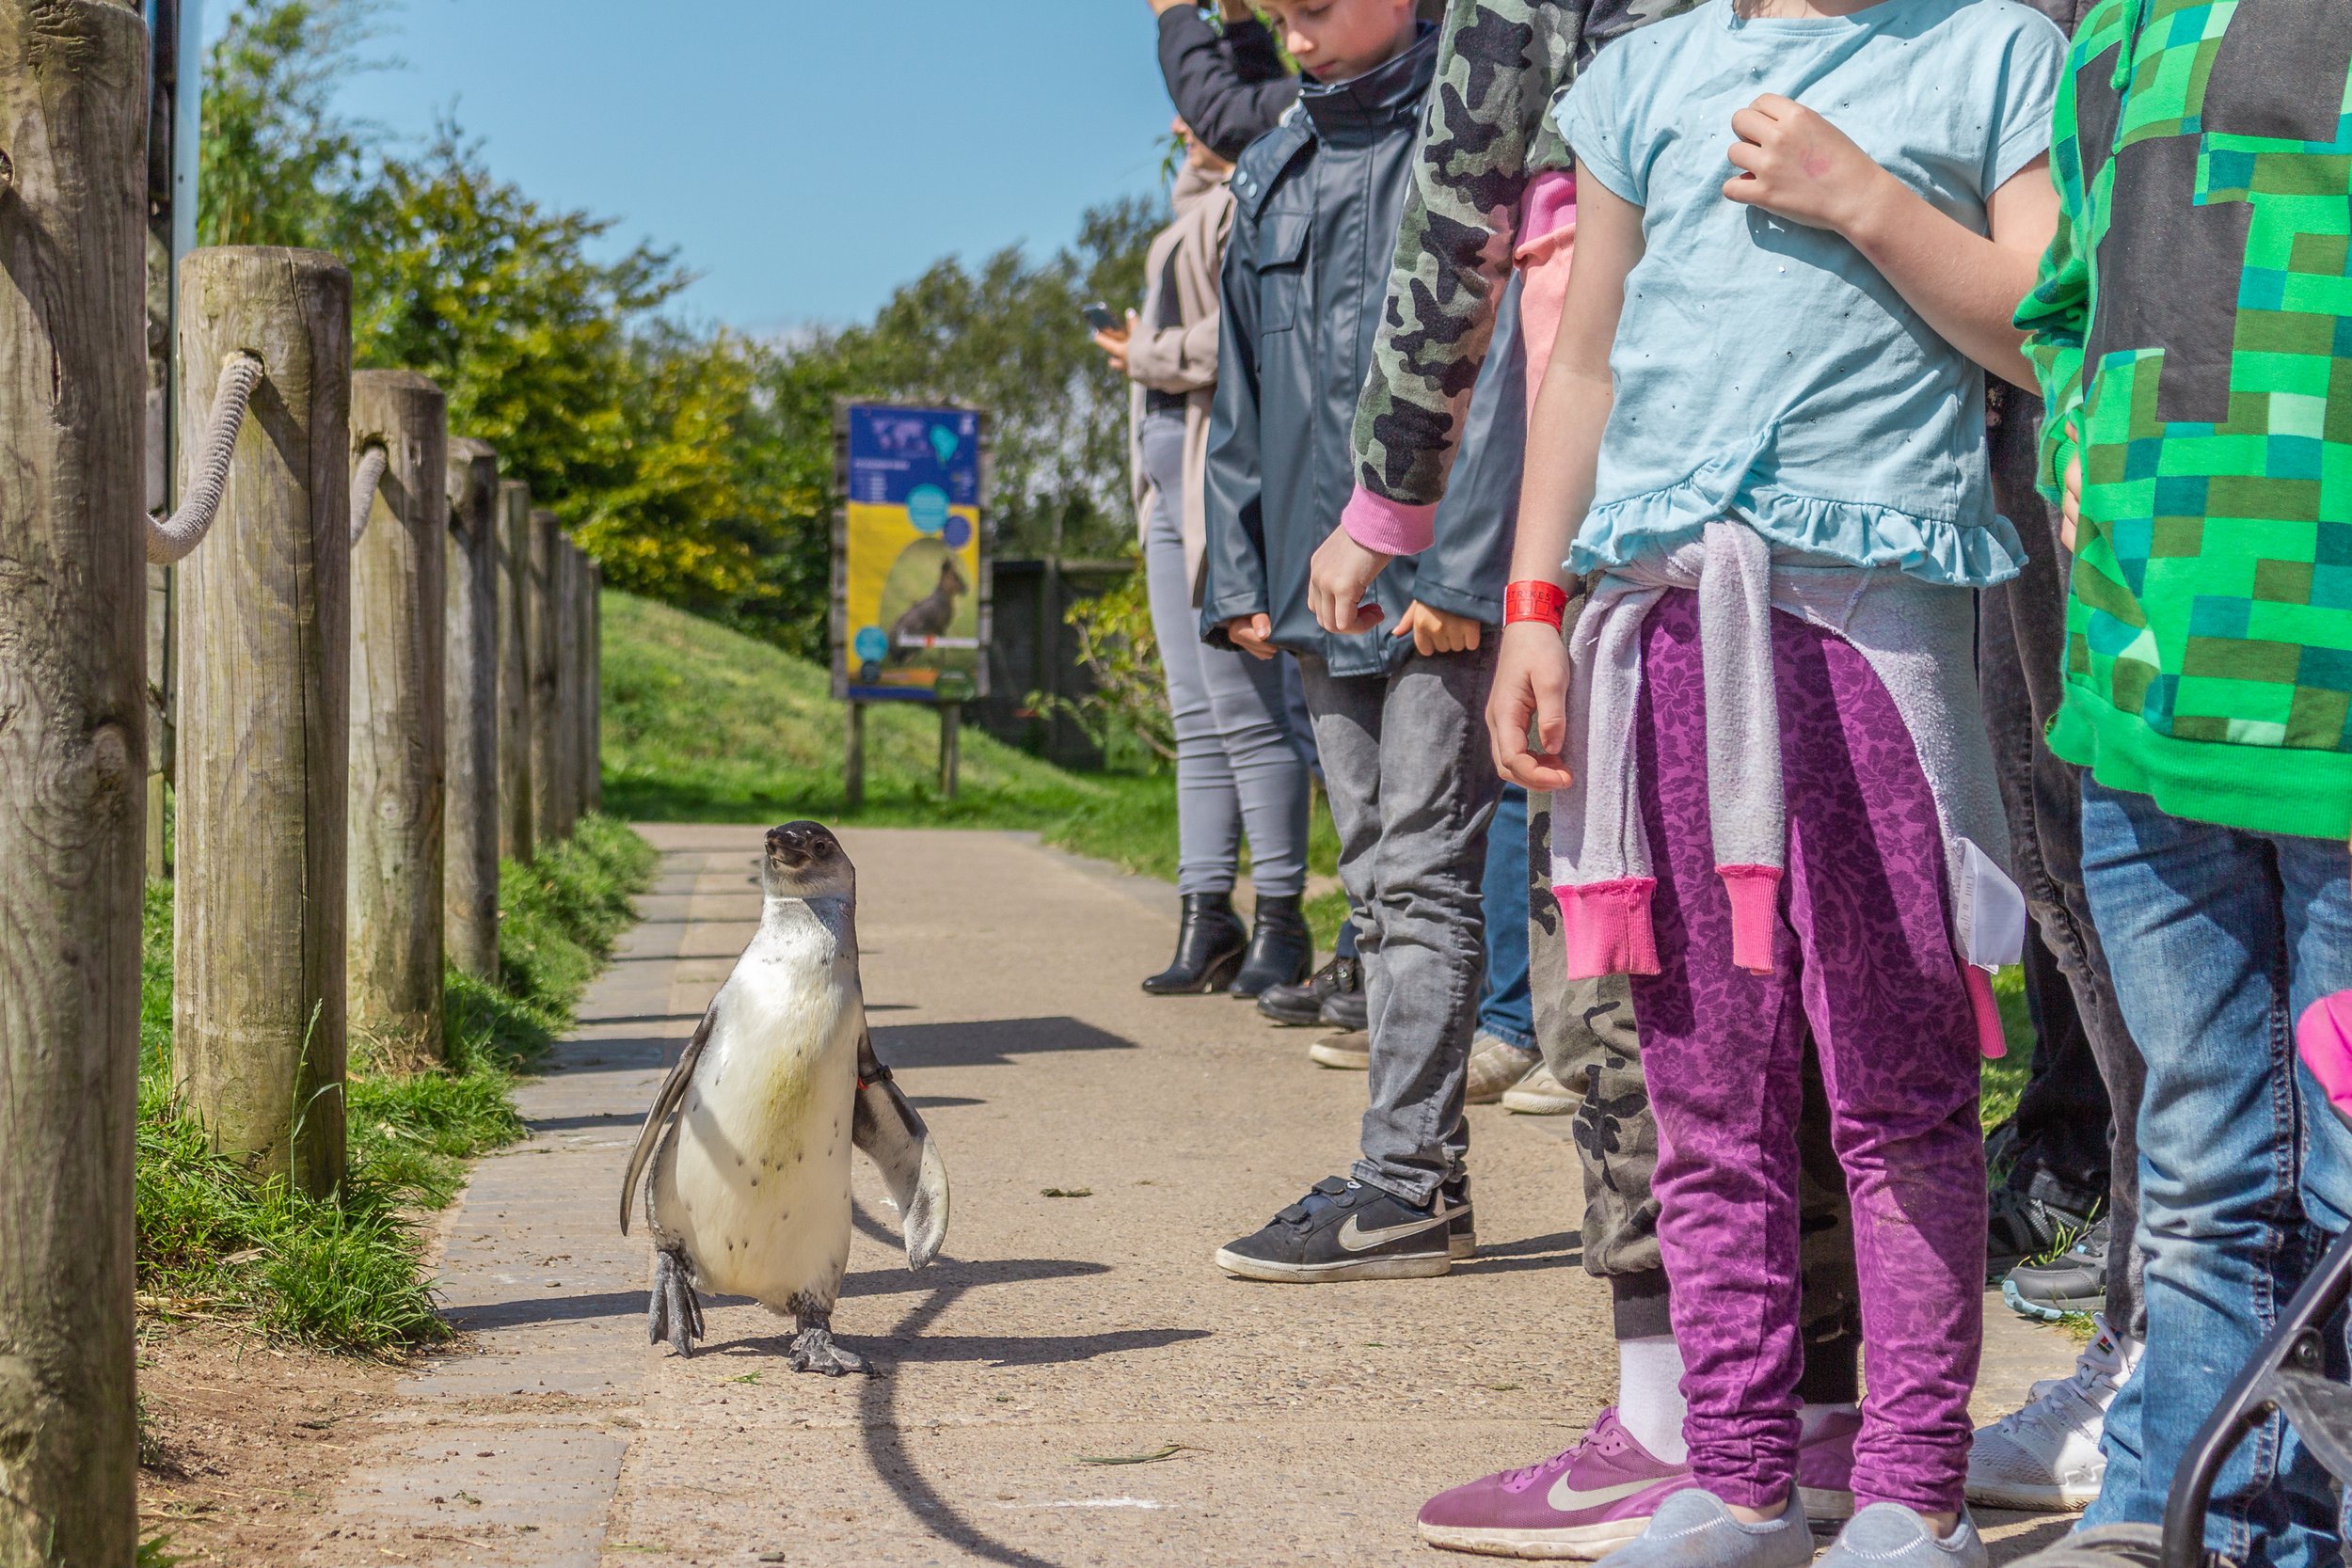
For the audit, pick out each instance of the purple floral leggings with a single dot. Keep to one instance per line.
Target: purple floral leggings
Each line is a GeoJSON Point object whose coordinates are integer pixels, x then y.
{"type": "Point", "coordinates": [1863, 951]}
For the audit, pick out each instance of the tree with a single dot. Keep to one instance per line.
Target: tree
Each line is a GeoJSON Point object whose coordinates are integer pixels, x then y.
{"type": "Point", "coordinates": [277, 164]}
{"type": "Point", "coordinates": [462, 277]}
{"type": "Point", "coordinates": [697, 466]}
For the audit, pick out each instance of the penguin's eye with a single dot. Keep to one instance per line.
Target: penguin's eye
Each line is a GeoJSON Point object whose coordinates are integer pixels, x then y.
{"type": "Point", "coordinates": [821, 848]}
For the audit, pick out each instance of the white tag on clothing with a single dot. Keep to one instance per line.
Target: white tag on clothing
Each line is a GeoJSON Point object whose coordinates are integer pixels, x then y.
{"type": "Point", "coordinates": [1991, 912]}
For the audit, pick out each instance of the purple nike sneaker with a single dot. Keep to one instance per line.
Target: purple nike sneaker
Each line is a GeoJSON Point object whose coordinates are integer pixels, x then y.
{"type": "Point", "coordinates": [1579, 1505]}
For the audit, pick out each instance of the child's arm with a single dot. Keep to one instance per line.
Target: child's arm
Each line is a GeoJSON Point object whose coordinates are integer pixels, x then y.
{"type": "Point", "coordinates": [1233, 598]}
{"type": "Point", "coordinates": [1563, 446]}
{"type": "Point", "coordinates": [1796, 163]}
{"type": "Point", "coordinates": [2057, 315]}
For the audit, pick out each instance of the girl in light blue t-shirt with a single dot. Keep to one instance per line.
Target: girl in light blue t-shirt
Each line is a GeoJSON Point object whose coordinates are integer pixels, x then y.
{"type": "Point", "coordinates": [1803, 228]}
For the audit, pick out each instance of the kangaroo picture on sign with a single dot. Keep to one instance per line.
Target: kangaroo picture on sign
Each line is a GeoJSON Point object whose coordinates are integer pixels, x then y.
{"type": "Point", "coordinates": [909, 586]}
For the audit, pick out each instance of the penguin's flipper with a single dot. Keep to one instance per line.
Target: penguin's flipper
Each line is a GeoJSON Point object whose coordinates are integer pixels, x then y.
{"type": "Point", "coordinates": [892, 1133]}
{"type": "Point", "coordinates": [665, 1104]}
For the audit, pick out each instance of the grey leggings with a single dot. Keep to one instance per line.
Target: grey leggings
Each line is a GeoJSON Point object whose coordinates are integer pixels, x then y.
{"type": "Point", "coordinates": [1239, 756]}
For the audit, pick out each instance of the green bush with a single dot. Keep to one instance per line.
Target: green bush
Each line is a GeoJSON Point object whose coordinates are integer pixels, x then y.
{"type": "Point", "coordinates": [344, 1272]}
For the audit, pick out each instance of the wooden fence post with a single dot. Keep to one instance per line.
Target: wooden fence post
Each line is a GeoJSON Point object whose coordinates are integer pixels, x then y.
{"type": "Point", "coordinates": [539, 631]}
{"type": "Point", "coordinates": [469, 866]}
{"type": "Point", "coordinates": [514, 558]}
{"type": "Point", "coordinates": [265, 624]}
{"type": "Point", "coordinates": [72, 766]}
{"type": "Point", "coordinates": [575, 656]}
{"type": "Point", "coordinates": [563, 618]}
{"type": "Point", "coordinates": [594, 641]}
{"type": "Point", "coordinates": [399, 717]}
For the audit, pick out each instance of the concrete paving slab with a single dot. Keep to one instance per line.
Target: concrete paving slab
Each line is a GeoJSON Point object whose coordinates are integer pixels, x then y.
{"type": "Point", "coordinates": [1073, 1383]}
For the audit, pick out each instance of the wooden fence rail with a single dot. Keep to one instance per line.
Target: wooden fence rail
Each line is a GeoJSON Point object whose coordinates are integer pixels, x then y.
{"type": "Point", "coordinates": [385, 674]}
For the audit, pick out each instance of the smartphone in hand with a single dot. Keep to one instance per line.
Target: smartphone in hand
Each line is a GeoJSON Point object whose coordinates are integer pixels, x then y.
{"type": "Point", "coordinates": [1099, 317]}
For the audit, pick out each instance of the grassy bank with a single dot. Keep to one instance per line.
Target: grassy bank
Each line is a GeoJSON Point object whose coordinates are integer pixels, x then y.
{"type": "Point", "coordinates": [344, 1274]}
{"type": "Point", "coordinates": [702, 724]}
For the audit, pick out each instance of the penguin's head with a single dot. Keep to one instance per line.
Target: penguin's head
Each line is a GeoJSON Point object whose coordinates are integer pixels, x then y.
{"type": "Point", "coordinates": [806, 861]}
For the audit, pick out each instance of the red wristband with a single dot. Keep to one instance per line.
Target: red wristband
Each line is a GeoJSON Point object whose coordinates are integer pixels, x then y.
{"type": "Point", "coordinates": [1535, 600]}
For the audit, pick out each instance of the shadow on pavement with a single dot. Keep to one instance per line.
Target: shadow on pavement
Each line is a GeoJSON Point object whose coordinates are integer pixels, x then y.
{"type": "Point", "coordinates": [607, 1118]}
{"type": "Point", "coordinates": [991, 1042]}
{"type": "Point", "coordinates": [1561, 1249]}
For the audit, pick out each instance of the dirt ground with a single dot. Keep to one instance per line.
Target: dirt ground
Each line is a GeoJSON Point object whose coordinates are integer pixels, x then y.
{"type": "Point", "coordinates": [242, 1443]}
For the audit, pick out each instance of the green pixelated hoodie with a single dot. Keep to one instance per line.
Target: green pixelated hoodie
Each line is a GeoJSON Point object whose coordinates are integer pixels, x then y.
{"type": "Point", "coordinates": [2192, 328]}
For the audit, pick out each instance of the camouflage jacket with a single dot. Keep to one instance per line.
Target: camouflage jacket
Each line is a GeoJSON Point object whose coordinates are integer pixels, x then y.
{"type": "Point", "coordinates": [1487, 131]}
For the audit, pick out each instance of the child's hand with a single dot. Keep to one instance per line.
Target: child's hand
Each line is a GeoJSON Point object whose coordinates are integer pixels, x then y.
{"type": "Point", "coordinates": [1338, 580]}
{"type": "Point", "coordinates": [1435, 631]}
{"type": "Point", "coordinates": [1531, 685]}
{"type": "Point", "coordinates": [1797, 164]}
{"type": "Point", "coordinates": [1253, 634]}
{"type": "Point", "coordinates": [2071, 503]}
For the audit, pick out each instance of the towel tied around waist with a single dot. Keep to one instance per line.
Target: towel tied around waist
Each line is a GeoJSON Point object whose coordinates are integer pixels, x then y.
{"type": "Point", "coordinates": [1919, 637]}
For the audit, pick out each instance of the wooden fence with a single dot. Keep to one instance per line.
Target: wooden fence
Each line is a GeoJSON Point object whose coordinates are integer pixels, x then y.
{"type": "Point", "coordinates": [386, 677]}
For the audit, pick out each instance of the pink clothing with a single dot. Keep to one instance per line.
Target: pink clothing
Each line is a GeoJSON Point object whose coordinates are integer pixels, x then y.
{"type": "Point", "coordinates": [1856, 923]}
{"type": "Point", "coordinates": [1547, 242]}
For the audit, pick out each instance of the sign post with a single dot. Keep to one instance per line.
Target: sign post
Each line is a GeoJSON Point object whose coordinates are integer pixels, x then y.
{"type": "Point", "coordinates": [911, 592]}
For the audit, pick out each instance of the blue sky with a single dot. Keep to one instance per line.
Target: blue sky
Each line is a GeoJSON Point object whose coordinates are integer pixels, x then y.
{"type": "Point", "coordinates": [804, 156]}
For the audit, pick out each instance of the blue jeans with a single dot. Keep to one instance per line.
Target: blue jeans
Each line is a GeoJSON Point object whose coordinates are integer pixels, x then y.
{"type": "Point", "coordinates": [1506, 1010]}
{"type": "Point", "coordinates": [2219, 939]}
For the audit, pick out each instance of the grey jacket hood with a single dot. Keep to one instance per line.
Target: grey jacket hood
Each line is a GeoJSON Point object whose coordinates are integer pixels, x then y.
{"type": "Point", "coordinates": [1317, 201]}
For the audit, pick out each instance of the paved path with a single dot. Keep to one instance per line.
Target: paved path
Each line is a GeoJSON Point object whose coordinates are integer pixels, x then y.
{"type": "Point", "coordinates": [1000, 979]}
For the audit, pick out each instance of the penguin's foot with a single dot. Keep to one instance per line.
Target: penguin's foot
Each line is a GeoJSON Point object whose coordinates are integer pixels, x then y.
{"type": "Point", "coordinates": [814, 1350]}
{"type": "Point", "coordinates": [673, 1311]}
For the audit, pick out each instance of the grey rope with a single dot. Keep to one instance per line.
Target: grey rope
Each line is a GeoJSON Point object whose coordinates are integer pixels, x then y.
{"type": "Point", "coordinates": [364, 481]}
{"type": "Point", "coordinates": [170, 540]}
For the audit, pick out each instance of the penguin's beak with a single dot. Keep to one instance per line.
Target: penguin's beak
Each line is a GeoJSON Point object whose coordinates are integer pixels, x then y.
{"type": "Point", "coordinates": [787, 848]}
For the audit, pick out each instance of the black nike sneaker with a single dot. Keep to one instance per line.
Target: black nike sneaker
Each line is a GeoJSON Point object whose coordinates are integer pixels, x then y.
{"type": "Point", "coordinates": [1461, 1231]}
{"type": "Point", "coordinates": [1342, 1230]}
{"type": "Point", "coordinates": [1301, 1007]}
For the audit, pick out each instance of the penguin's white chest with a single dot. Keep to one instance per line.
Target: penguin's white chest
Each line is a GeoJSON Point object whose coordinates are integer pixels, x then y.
{"type": "Point", "coordinates": [755, 1178]}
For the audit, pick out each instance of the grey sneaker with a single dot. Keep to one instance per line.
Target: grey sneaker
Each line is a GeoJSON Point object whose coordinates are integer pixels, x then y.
{"type": "Point", "coordinates": [1694, 1529]}
{"type": "Point", "coordinates": [1540, 1094]}
{"type": "Point", "coordinates": [1349, 1053]}
{"type": "Point", "coordinates": [1495, 1065]}
{"type": "Point", "coordinates": [1888, 1535]}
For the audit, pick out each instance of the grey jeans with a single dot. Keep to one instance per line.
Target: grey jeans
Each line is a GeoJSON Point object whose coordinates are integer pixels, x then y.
{"type": "Point", "coordinates": [2021, 661]}
{"type": "Point", "coordinates": [1241, 740]}
{"type": "Point", "coordinates": [1404, 760]}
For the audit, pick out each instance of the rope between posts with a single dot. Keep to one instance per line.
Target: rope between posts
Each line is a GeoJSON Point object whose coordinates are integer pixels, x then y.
{"type": "Point", "coordinates": [170, 539]}
{"type": "Point", "coordinates": [365, 478]}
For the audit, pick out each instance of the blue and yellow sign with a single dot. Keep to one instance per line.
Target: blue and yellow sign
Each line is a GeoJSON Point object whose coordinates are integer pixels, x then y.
{"type": "Point", "coordinates": [911, 616]}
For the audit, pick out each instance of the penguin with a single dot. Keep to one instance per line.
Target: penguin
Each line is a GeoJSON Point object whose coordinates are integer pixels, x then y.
{"type": "Point", "coordinates": [749, 1138]}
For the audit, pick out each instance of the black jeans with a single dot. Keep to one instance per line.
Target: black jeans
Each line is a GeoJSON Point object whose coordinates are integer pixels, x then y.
{"type": "Point", "coordinates": [2080, 1112]}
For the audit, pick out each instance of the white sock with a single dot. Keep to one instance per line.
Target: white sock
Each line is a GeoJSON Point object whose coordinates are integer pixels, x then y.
{"type": "Point", "coordinates": [1649, 1395]}
{"type": "Point", "coordinates": [1812, 1418]}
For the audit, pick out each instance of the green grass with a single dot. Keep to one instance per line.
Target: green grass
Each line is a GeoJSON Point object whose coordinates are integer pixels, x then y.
{"type": "Point", "coordinates": [343, 1274]}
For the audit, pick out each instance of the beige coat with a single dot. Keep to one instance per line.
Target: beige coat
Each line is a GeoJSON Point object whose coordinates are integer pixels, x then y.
{"type": "Point", "coordinates": [1182, 358]}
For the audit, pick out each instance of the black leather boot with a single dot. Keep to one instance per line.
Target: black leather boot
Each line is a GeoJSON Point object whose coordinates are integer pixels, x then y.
{"type": "Point", "coordinates": [1282, 950]}
{"type": "Point", "coordinates": [1209, 945]}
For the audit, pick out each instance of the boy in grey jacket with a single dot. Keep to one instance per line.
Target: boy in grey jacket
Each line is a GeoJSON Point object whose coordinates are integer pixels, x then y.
{"type": "Point", "coordinates": [1397, 702]}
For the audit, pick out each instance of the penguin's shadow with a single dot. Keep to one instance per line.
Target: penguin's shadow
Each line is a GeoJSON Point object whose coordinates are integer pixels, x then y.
{"type": "Point", "coordinates": [952, 1277]}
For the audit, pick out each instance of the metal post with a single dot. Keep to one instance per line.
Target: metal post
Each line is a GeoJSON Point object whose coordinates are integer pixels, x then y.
{"type": "Point", "coordinates": [856, 790]}
{"type": "Point", "coordinates": [951, 734]}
